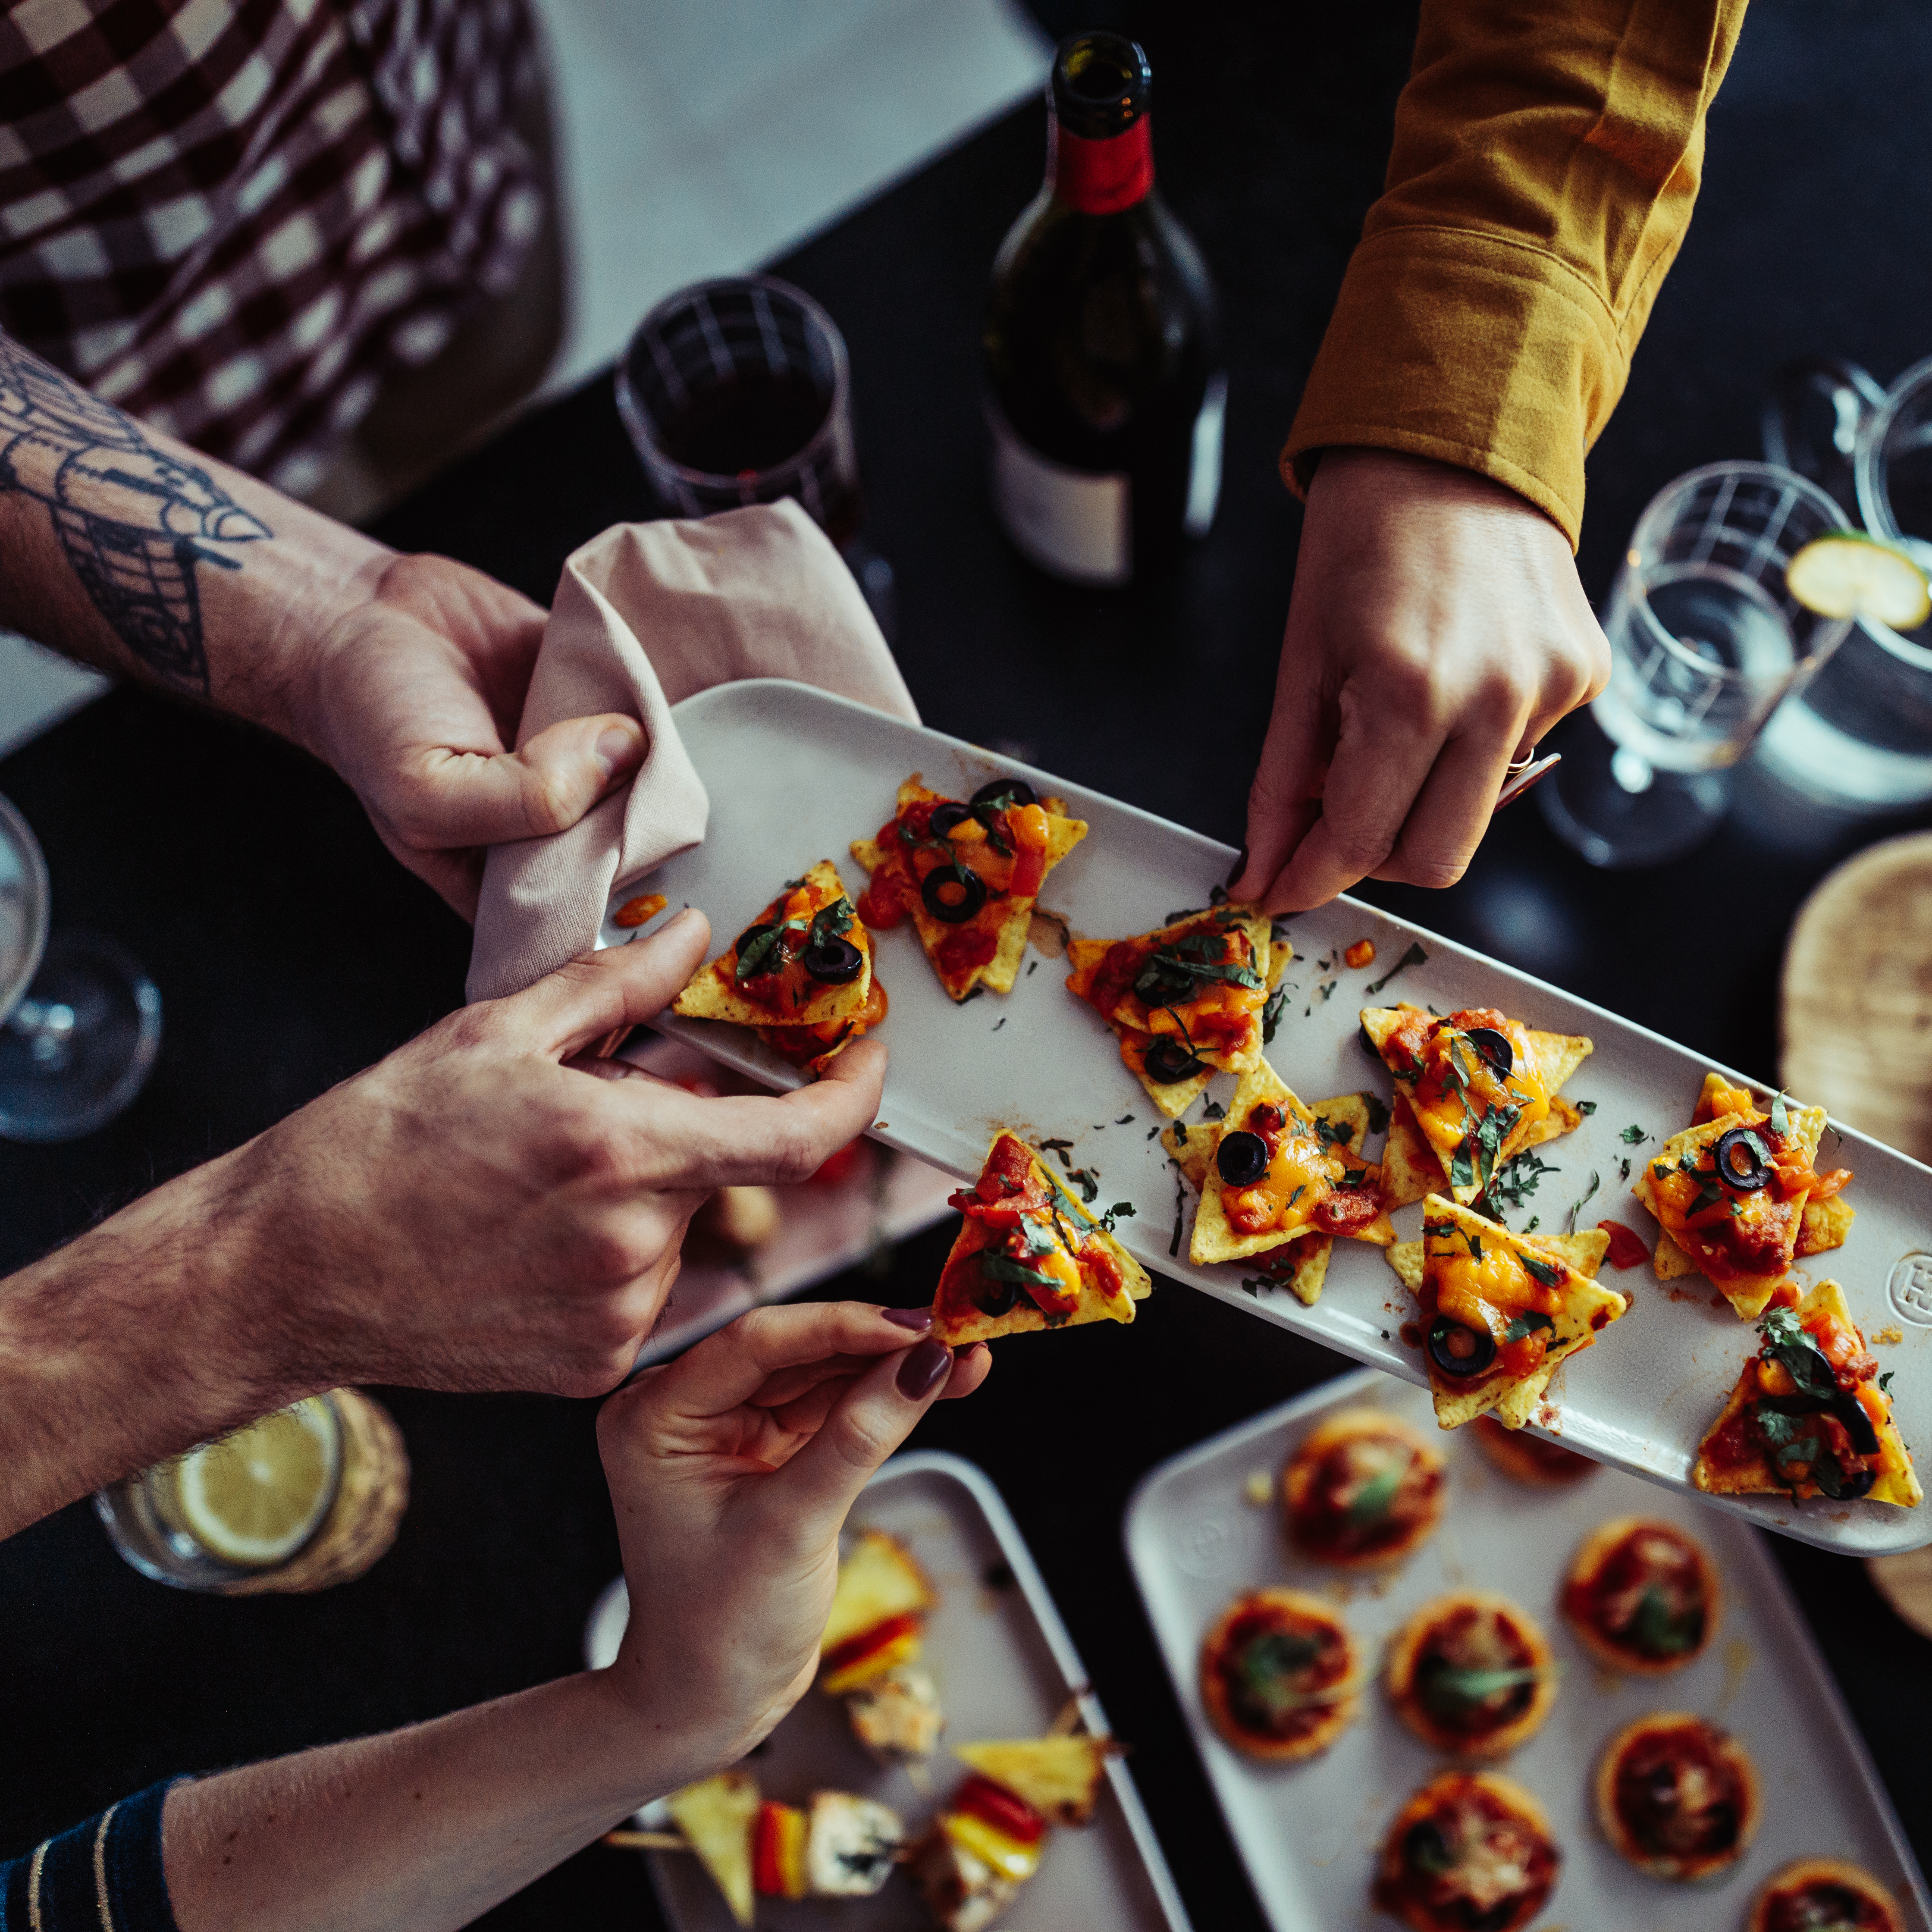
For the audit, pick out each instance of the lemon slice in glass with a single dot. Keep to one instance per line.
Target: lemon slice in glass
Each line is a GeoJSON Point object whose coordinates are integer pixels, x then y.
{"type": "Point", "coordinates": [1852, 575]}
{"type": "Point", "coordinates": [254, 1498]}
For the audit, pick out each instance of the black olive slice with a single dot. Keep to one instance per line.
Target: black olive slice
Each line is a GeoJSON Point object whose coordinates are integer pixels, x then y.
{"type": "Point", "coordinates": [1458, 1350]}
{"type": "Point", "coordinates": [1425, 1849]}
{"type": "Point", "coordinates": [773, 957]}
{"type": "Point", "coordinates": [946, 816]}
{"type": "Point", "coordinates": [1009, 791]}
{"type": "Point", "coordinates": [834, 962]}
{"type": "Point", "coordinates": [1842, 1487]}
{"type": "Point", "coordinates": [1367, 1045]}
{"type": "Point", "coordinates": [1494, 1047]}
{"type": "Point", "coordinates": [1163, 982]}
{"type": "Point", "coordinates": [952, 895]}
{"type": "Point", "coordinates": [1851, 1412]}
{"type": "Point", "coordinates": [996, 1297]}
{"type": "Point", "coordinates": [1242, 1159]}
{"type": "Point", "coordinates": [1744, 1161]}
{"type": "Point", "coordinates": [1168, 1061]}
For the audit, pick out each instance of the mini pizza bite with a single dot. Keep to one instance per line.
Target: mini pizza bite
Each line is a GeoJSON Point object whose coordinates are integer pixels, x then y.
{"type": "Point", "coordinates": [1735, 1191]}
{"type": "Point", "coordinates": [1277, 1171]}
{"type": "Point", "coordinates": [1280, 1675]}
{"type": "Point", "coordinates": [1301, 1263]}
{"type": "Point", "coordinates": [1677, 1797]}
{"type": "Point", "coordinates": [879, 1609]}
{"type": "Point", "coordinates": [1476, 1086]}
{"type": "Point", "coordinates": [800, 974]}
{"type": "Point", "coordinates": [967, 873]}
{"type": "Point", "coordinates": [1472, 1673]}
{"type": "Point", "coordinates": [1469, 1849]}
{"type": "Point", "coordinates": [1185, 1000]}
{"type": "Point", "coordinates": [1824, 1895]}
{"type": "Point", "coordinates": [1641, 1596]}
{"type": "Point", "coordinates": [1808, 1416]}
{"type": "Point", "coordinates": [1029, 1255]}
{"type": "Point", "coordinates": [1363, 1489]}
{"type": "Point", "coordinates": [1527, 1457]}
{"type": "Point", "coordinates": [1500, 1310]}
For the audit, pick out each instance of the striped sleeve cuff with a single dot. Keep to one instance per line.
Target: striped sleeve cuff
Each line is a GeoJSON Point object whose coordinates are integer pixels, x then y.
{"type": "Point", "coordinates": [103, 1875]}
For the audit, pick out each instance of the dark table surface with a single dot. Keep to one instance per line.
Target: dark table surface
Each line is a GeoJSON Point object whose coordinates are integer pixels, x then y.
{"type": "Point", "coordinates": [290, 951]}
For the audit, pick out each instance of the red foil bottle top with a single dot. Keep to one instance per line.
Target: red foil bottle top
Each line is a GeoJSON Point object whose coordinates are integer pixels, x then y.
{"type": "Point", "coordinates": [1101, 177]}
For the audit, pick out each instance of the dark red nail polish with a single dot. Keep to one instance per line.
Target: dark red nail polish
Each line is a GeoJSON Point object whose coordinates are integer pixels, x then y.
{"type": "Point", "coordinates": [1240, 866]}
{"type": "Point", "coordinates": [920, 1373]}
{"type": "Point", "coordinates": [919, 1318]}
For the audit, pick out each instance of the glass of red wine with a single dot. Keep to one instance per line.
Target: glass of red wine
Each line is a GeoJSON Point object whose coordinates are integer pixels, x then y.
{"type": "Point", "coordinates": [738, 391]}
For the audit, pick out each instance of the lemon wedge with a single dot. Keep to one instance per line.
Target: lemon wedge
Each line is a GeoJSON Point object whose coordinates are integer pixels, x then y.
{"type": "Point", "coordinates": [1852, 575]}
{"type": "Point", "coordinates": [254, 1498]}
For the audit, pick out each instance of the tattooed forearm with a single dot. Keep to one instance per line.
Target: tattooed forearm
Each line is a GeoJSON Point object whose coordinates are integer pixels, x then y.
{"type": "Point", "coordinates": [132, 521]}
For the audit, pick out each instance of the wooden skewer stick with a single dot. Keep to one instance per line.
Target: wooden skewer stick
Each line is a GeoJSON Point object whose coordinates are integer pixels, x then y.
{"type": "Point", "coordinates": [644, 1841]}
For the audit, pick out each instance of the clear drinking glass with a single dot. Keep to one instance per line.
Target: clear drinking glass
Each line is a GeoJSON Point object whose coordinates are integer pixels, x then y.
{"type": "Point", "coordinates": [1704, 642]}
{"type": "Point", "coordinates": [80, 1023]}
{"type": "Point", "coordinates": [1859, 736]}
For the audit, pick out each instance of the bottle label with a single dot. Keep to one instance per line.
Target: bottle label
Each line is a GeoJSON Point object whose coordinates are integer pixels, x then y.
{"type": "Point", "coordinates": [1100, 177]}
{"type": "Point", "coordinates": [1072, 523]}
{"type": "Point", "coordinates": [1204, 469]}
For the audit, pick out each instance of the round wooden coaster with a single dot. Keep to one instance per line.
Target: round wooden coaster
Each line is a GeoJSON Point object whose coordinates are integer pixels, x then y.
{"type": "Point", "coordinates": [367, 1512]}
{"type": "Point", "coordinates": [1856, 1025]}
{"type": "Point", "coordinates": [1906, 1583]}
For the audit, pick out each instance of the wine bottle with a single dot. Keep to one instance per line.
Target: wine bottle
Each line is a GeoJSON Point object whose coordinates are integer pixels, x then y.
{"type": "Point", "coordinates": [1106, 388]}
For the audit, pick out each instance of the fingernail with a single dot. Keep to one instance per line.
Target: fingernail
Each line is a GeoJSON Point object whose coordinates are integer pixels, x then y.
{"type": "Point", "coordinates": [919, 1319]}
{"type": "Point", "coordinates": [1240, 866]}
{"type": "Point", "coordinates": [617, 749]}
{"type": "Point", "coordinates": [921, 1372]}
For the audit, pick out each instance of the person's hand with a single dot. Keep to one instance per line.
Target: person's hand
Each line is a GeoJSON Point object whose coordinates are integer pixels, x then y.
{"type": "Point", "coordinates": [731, 1470]}
{"type": "Point", "coordinates": [471, 1213]}
{"type": "Point", "coordinates": [1438, 629]}
{"type": "Point", "coordinates": [415, 696]}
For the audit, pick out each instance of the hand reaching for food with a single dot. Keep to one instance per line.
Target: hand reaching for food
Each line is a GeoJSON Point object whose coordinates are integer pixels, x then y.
{"type": "Point", "coordinates": [1438, 629]}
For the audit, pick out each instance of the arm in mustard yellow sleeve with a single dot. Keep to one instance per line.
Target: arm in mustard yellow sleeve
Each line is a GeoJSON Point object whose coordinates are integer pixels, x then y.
{"type": "Point", "coordinates": [1545, 164]}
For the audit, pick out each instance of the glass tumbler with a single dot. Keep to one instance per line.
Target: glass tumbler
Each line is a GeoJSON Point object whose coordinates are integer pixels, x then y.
{"type": "Point", "coordinates": [1704, 643]}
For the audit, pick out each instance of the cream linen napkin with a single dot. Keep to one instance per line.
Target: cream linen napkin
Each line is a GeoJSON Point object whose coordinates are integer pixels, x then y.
{"type": "Point", "coordinates": [645, 615]}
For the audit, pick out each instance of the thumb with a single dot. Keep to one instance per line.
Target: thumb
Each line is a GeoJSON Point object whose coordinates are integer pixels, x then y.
{"type": "Point", "coordinates": [475, 798]}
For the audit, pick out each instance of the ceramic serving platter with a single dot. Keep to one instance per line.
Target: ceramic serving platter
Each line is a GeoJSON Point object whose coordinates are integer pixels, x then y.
{"type": "Point", "coordinates": [1308, 1833]}
{"type": "Point", "coordinates": [1005, 1668]}
{"type": "Point", "coordinates": [795, 774]}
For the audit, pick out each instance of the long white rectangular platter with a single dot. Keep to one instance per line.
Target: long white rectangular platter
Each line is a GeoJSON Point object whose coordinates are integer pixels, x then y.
{"type": "Point", "coordinates": [1308, 1833]}
{"type": "Point", "coordinates": [795, 774]}
{"type": "Point", "coordinates": [1005, 1668]}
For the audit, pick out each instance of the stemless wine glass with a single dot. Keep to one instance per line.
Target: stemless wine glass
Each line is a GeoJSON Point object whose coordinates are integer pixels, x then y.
{"type": "Point", "coordinates": [80, 1023]}
{"type": "Point", "coordinates": [1704, 642]}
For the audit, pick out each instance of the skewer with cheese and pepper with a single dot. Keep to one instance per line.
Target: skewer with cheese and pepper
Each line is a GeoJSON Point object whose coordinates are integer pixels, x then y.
{"type": "Point", "coordinates": [869, 1652]}
{"type": "Point", "coordinates": [1500, 1310]}
{"type": "Point", "coordinates": [1737, 1196]}
{"type": "Point", "coordinates": [1472, 1090]}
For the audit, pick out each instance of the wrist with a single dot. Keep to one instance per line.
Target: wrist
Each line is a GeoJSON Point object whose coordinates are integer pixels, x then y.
{"type": "Point", "coordinates": [645, 1745]}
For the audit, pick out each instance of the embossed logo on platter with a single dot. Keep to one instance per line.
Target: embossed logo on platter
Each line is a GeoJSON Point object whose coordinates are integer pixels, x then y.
{"type": "Point", "coordinates": [1910, 1287]}
{"type": "Point", "coordinates": [1202, 1547]}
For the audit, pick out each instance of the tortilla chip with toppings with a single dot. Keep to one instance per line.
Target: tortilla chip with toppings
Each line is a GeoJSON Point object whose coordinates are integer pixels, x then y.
{"type": "Point", "coordinates": [966, 874]}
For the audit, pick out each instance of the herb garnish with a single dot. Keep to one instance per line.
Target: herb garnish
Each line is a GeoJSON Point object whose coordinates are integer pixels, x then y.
{"type": "Point", "coordinates": [1781, 1122]}
{"type": "Point", "coordinates": [1372, 1500]}
{"type": "Point", "coordinates": [1516, 1181]}
{"type": "Point", "coordinates": [1414, 956]}
{"type": "Point", "coordinates": [1632, 1135]}
{"type": "Point", "coordinates": [1452, 1691]}
{"type": "Point", "coordinates": [1586, 1108]}
{"type": "Point", "coordinates": [1213, 1111]}
{"type": "Point", "coordinates": [1655, 1631]}
{"type": "Point", "coordinates": [1271, 1014]}
{"type": "Point", "coordinates": [1526, 1325]}
{"type": "Point", "coordinates": [1378, 1113]}
{"type": "Point", "coordinates": [1787, 1341]}
{"type": "Point", "coordinates": [1000, 1268]}
{"type": "Point", "coordinates": [1596, 1181]}
{"type": "Point", "coordinates": [1550, 1277]}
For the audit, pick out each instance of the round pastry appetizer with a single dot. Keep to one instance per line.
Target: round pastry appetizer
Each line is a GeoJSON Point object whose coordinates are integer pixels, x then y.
{"type": "Point", "coordinates": [1280, 1675]}
{"type": "Point", "coordinates": [1472, 1673]}
{"type": "Point", "coordinates": [1824, 1895]}
{"type": "Point", "coordinates": [1677, 1797]}
{"type": "Point", "coordinates": [1469, 1849]}
{"type": "Point", "coordinates": [1533, 1460]}
{"type": "Point", "coordinates": [1363, 1489]}
{"type": "Point", "coordinates": [1642, 1596]}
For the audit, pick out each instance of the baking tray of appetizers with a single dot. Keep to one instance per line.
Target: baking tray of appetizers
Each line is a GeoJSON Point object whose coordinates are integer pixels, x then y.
{"type": "Point", "coordinates": [795, 774]}
{"type": "Point", "coordinates": [1003, 1667]}
{"type": "Point", "coordinates": [1723, 1644]}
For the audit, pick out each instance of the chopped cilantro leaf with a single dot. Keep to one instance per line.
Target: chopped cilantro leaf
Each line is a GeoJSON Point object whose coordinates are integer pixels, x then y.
{"type": "Point", "coordinates": [1414, 956]}
{"type": "Point", "coordinates": [1526, 1325]}
{"type": "Point", "coordinates": [1550, 1277]}
{"type": "Point", "coordinates": [1632, 1135]}
{"type": "Point", "coordinates": [1595, 1183]}
{"type": "Point", "coordinates": [1586, 1108]}
{"type": "Point", "coordinates": [1213, 1111]}
{"type": "Point", "coordinates": [1378, 1113]}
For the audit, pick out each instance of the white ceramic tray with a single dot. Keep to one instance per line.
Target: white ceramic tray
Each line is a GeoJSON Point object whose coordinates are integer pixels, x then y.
{"type": "Point", "coordinates": [1309, 1833]}
{"type": "Point", "coordinates": [795, 774]}
{"type": "Point", "coordinates": [1005, 1667]}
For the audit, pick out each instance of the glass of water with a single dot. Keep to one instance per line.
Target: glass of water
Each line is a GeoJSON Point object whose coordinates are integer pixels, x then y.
{"type": "Point", "coordinates": [1704, 643]}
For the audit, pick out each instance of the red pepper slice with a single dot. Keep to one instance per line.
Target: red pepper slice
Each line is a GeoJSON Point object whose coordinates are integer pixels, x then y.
{"type": "Point", "coordinates": [842, 1656]}
{"type": "Point", "coordinates": [1627, 1249]}
{"type": "Point", "coordinates": [1005, 1811]}
{"type": "Point", "coordinates": [768, 1876]}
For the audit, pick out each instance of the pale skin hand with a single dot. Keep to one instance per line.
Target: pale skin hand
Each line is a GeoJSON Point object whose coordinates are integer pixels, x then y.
{"type": "Point", "coordinates": [1438, 629]}
{"type": "Point", "coordinates": [731, 1472]}
{"type": "Point", "coordinates": [471, 1213]}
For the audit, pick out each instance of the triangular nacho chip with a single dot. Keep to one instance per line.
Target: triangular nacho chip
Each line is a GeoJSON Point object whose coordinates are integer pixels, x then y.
{"type": "Point", "coordinates": [1670, 1261]}
{"type": "Point", "coordinates": [1410, 1168]}
{"type": "Point", "coordinates": [1789, 1426]}
{"type": "Point", "coordinates": [780, 992]}
{"type": "Point", "coordinates": [983, 871]}
{"type": "Point", "coordinates": [1515, 1306]}
{"type": "Point", "coordinates": [1461, 1072]}
{"type": "Point", "coordinates": [1824, 1225]}
{"type": "Point", "coordinates": [1029, 1255]}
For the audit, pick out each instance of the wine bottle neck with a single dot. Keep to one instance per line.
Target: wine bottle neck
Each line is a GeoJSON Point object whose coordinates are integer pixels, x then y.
{"type": "Point", "coordinates": [1100, 177]}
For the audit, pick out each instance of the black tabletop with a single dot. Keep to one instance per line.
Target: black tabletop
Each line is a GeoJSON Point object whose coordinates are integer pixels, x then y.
{"type": "Point", "coordinates": [290, 951]}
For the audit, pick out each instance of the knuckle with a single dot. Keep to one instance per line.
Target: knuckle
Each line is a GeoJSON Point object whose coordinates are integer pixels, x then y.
{"type": "Point", "coordinates": [1437, 872]}
{"type": "Point", "coordinates": [1361, 851]}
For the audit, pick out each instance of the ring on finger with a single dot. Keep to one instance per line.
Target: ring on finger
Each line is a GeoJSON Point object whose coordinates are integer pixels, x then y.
{"type": "Point", "coordinates": [1522, 763]}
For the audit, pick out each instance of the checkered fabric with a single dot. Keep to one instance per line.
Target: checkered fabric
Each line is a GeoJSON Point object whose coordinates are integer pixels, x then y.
{"type": "Point", "coordinates": [232, 218]}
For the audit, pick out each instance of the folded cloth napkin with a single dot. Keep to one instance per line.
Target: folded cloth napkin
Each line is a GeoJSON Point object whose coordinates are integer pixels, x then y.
{"type": "Point", "coordinates": [645, 615]}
